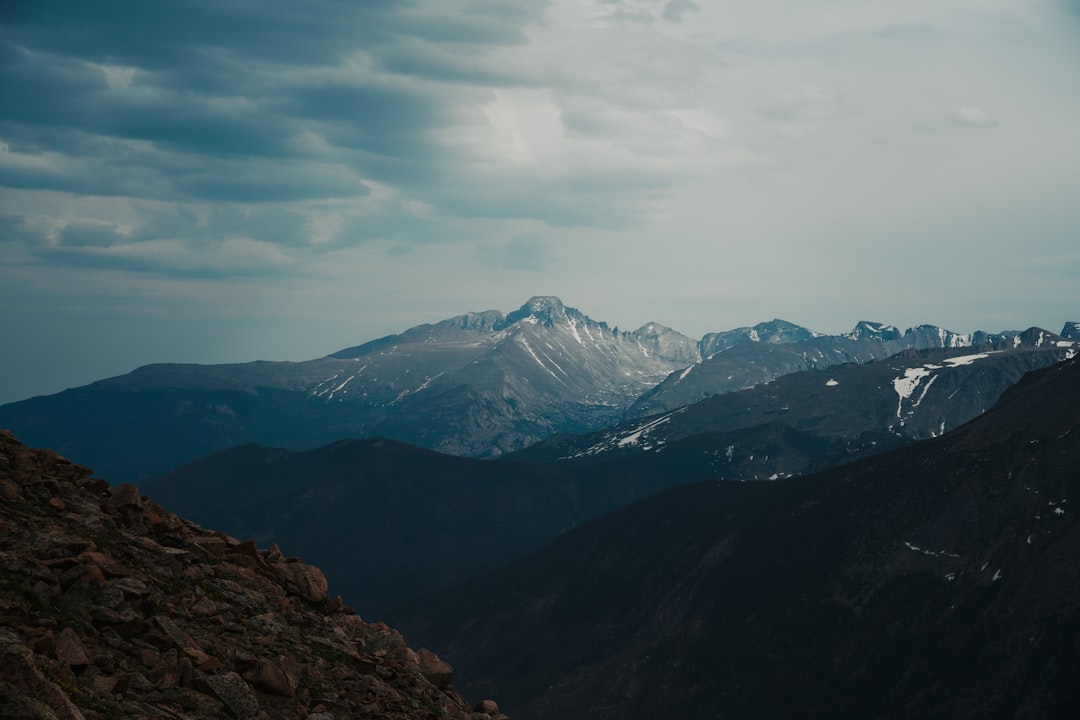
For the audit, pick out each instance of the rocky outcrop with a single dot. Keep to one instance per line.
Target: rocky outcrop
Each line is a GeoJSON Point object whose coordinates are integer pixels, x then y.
{"type": "Point", "coordinates": [112, 607]}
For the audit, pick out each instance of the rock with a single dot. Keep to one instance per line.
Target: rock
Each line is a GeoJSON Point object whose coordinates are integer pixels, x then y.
{"type": "Point", "coordinates": [108, 566]}
{"type": "Point", "coordinates": [125, 496]}
{"type": "Point", "coordinates": [272, 677]}
{"type": "Point", "coordinates": [19, 672]}
{"type": "Point", "coordinates": [231, 689]}
{"type": "Point", "coordinates": [213, 545]}
{"type": "Point", "coordinates": [247, 555]}
{"type": "Point", "coordinates": [69, 649]}
{"type": "Point", "coordinates": [307, 581]}
{"type": "Point", "coordinates": [434, 669]}
{"type": "Point", "coordinates": [9, 491]}
{"type": "Point", "coordinates": [488, 707]}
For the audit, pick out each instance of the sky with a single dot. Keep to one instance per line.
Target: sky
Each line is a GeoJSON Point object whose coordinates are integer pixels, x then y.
{"type": "Point", "coordinates": [232, 180]}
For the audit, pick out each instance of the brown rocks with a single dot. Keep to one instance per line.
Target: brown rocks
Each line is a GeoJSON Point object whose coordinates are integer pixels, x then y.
{"type": "Point", "coordinates": [110, 606]}
{"type": "Point", "coordinates": [306, 581]}
{"type": "Point", "coordinates": [21, 678]}
{"type": "Point", "coordinates": [69, 649]}
{"type": "Point", "coordinates": [125, 496]}
{"type": "Point", "coordinates": [488, 707]}
{"type": "Point", "coordinates": [434, 669]}
{"type": "Point", "coordinates": [231, 689]}
{"type": "Point", "coordinates": [272, 677]}
{"type": "Point", "coordinates": [9, 491]}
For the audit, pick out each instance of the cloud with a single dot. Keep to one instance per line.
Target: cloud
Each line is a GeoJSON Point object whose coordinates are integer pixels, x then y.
{"type": "Point", "coordinates": [971, 117]}
{"type": "Point", "coordinates": [677, 9]}
{"type": "Point", "coordinates": [243, 104]}
{"type": "Point", "coordinates": [527, 252]}
{"type": "Point", "coordinates": [91, 234]}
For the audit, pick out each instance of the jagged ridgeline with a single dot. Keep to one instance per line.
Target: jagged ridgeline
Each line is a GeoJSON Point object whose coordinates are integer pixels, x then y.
{"type": "Point", "coordinates": [478, 385]}
{"type": "Point", "coordinates": [112, 607]}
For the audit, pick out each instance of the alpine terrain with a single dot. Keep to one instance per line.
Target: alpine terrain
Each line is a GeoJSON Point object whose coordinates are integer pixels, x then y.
{"type": "Point", "coordinates": [936, 581]}
{"type": "Point", "coordinates": [479, 385]}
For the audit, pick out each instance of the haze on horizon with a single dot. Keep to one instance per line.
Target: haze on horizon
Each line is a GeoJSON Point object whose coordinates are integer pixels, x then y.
{"type": "Point", "coordinates": [237, 180]}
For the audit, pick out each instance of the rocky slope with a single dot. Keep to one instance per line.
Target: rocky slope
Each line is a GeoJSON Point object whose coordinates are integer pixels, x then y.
{"type": "Point", "coordinates": [937, 581]}
{"type": "Point", "coordinates": [111, 607]}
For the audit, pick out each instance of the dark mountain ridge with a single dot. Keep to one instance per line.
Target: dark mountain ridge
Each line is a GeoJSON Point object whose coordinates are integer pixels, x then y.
{"type": "Point", "coordinates": [389, 522]}
{"type": "Point", "coordinates": [936, 581]}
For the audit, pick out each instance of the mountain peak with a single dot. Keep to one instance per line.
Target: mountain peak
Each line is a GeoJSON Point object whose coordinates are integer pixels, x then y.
{"type": "Point", "coordinates": [544, 303]}
{"type": "Point", "coordinates": [541, 309]}
{"type": "Point", "coordinates": [1036, 337]}
{"type": "Point", "coordinates": [1071, 331]}
{"type": "Point", "coordinates": [866, 330]}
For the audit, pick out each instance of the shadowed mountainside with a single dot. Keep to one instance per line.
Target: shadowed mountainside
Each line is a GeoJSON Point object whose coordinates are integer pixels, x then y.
{"type": "Point", "coordinates": [939, 580]}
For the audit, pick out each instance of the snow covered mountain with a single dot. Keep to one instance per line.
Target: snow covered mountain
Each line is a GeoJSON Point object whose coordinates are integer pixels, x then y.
{"type": "Point", "coordinates": [479, 384]}
{"type": "Point", "coordinates": [747, 364]}
{"type": "Point", "coordinates": [817, 418]}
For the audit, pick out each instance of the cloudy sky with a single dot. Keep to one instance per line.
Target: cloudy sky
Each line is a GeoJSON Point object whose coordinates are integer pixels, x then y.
{"type": "Point", "coordinates": [228, 180]}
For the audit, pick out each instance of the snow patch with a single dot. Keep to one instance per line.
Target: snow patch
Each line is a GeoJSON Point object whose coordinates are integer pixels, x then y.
{"type": "Point", "coordinates": [525, 344]}
{"type": "Point", "coordinates": [573, 329]}
{"type": "Point", "coordinates": [831, 383]}
{"type": "Point", "coordinates": [965, 359]}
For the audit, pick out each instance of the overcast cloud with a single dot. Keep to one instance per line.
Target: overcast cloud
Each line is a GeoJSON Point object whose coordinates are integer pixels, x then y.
{"type": "Point", "coordinates": [231, 180]}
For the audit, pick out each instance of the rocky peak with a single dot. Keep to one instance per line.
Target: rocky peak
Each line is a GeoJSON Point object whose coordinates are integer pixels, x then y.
{"type": "Point", "coordinates": [546, 310]}
{"type": "Point", "coordinates": [482, 321]}
{"type": "Point", "coordinates": [866, 330]}
{"type": "Point", "coordinates": [1071, 331]}
{"type": "Point", "coordinates": [1036, 337]}
{"type": "Point", "coordinates": [111, 606]}
{"type": "Point", "coordinates": [665, 342]}
{"type": "Point", "coordinates": [774, 331]}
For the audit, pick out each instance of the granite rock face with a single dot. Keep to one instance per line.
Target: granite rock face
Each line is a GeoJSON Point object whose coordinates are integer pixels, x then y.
{"type": "Point", "coordinates": [112, 607]}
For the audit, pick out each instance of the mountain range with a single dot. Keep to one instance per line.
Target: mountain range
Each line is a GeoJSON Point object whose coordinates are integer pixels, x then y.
{"type": "Point", "coordinates": [852, 409]}
{"type": "Point", "coordinates": [910, 555]}
{"type": "Point", "coordinates": [478, 385]}
{"type": "Point", "coordinates": [387, 521]}
{"type": "Point", "coordinates": [935, 581]}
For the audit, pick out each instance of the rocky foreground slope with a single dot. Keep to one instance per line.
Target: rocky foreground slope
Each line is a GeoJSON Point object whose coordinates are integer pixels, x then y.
{"type": "Point", "coordinates": [111, 607]}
